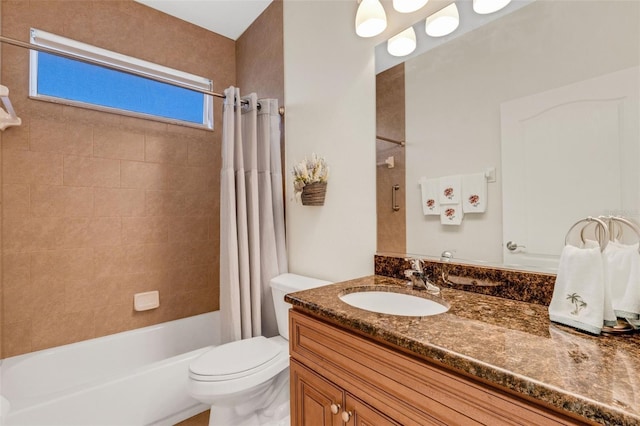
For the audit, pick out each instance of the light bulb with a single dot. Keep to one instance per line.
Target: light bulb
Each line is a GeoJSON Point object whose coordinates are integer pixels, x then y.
{"type": "Point", "coordinates": [408, 6]}
{"type": "Point", "coordinates": [443, 22]}
{"type": "Point", "coordinates": [370, 18]}
{"type": "Point", "coordinates": [484, 7]}
{"type": "Point", "coordinates": [402, 44]}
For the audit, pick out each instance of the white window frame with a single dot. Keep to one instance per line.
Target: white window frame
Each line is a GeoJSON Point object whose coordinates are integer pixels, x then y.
{"type": "Point", "coordinates": [121, 62]}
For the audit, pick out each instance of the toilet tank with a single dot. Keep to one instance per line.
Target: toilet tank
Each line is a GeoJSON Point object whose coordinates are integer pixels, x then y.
{"type": "Point", "coordinates": [289, 283]}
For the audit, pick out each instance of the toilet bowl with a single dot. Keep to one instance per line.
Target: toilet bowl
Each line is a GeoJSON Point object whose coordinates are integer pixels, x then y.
{"type": "Point", "coordinates": [246, 382]}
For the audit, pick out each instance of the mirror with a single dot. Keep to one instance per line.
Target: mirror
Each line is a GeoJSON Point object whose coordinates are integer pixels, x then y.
{"type": "Point", "coordinates": [557, 80]}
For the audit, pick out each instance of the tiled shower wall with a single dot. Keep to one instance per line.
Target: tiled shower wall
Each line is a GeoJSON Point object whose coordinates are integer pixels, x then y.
{"type": "Point", "coordinates": [97, 206]}
{"type": "Point", "coordinates": [390, 123]}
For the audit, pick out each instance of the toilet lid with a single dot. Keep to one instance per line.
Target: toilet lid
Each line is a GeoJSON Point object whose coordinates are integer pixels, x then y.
{"type": "Point", "coordinates": [236, 359]}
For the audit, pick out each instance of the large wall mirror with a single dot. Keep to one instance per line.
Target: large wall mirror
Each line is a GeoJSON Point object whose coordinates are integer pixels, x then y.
{"type": "Point", "coordinates": [547, 95]}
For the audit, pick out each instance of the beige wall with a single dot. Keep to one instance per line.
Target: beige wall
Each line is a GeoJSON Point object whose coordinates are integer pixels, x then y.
{"type": "Point", "coordinates": [259, 53]}
{"type": "Point", "coordinates": [260, 58]}
{"type": "Point", "coordinates": [330, 93]}
{"type": "Point", "coordinates": [97, 206]}
{"type": "Point", "coordinates": [391, 229]}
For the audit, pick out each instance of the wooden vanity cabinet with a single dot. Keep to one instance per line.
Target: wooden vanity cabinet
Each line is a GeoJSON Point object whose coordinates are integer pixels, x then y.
{"type": "Point", "coordinates": [336, 373]}
{"type": "Point", "coordinates": [319, 402]}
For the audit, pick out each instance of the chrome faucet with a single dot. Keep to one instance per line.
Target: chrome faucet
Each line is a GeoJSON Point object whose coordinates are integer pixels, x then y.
{"type": "Point", "coordinates": [419, 279]}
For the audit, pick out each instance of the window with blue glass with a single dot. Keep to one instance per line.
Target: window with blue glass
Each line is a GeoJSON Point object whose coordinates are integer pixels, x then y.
{"type": "Point", "coordinates": [123, 90]}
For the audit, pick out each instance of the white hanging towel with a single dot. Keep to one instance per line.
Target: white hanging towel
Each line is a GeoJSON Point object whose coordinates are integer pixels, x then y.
{"type": "Point", "coordinates": [450, 190]}
{"type": "Point", "coordinates": [622, 264]}
{"type": "Point", "coordinates": [609, 316]}
{"type": "Point", "coordinates": [474, 193]}
{"type": "Point", "coordinates": [578, 294]}
{"type": "Point", "coordinates": [430, 202]}
{"type": "Point", "coordinates": [451, 214]}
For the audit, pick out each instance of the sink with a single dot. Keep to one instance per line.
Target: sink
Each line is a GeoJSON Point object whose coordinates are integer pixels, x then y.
{"type": "Point", "coordinates": [386, 302]}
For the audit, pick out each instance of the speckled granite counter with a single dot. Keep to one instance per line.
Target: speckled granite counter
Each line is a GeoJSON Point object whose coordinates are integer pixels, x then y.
{"type": "Point", "coordinates": [511, 344]}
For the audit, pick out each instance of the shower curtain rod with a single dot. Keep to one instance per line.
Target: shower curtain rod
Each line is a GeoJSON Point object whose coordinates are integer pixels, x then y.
{"type": "Point", "coordinates": [31, 46]}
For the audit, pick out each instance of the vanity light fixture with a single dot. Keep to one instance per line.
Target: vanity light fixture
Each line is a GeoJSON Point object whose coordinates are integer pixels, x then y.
{"type": "Point", "coordinates": [402, 44]}
{"type": "Point", "coordinates": [408, 6]}
{"type": "Point", "coordinates": [371, 19]}
{"type": "Point", "coordinates": [443, 22]}
{"type": "Point", "coordinates": [484, 7]}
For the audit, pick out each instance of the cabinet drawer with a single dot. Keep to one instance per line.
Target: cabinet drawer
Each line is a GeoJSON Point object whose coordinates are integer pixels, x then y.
{"type": "Point", "coordinates": [407, 389]}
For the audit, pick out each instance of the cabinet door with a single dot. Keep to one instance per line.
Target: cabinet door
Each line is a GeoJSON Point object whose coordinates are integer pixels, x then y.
{"type": "Point", "coordinates": [362, 414]}
{"type": "Point", "coordinates": [314, 400]}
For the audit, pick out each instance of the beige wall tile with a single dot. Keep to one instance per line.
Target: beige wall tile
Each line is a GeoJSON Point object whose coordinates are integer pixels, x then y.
{"type": "Point", "coordinates": [118, 144]}
{"type": "Point", "coordinates": [190, 179]}
{"type": "Point", "coordinates": [110, 261]}
{"type": "Point", "coordinates": [142, 230]}
{"type": "Point", "coordinates": [118, 202]}
{"type": "Point", "coordinates": [90, 116]}
{"type": "Point", "coordinates": [15, 200]}
{"type": "Point", "coordinates": [200, 203]}
{"type": "Point", "coordinates": [61, 266]}
{"type": "Point", "coordinates": [80, 296]}
{"type": "Point", "coordinates": [87, 206]}
{"type": "Point", "coordinates": [203, 151]}
{"type": "Point", "coordinates": [58, 136]}
{"type": "Point", "coordinates": [165, 149]}
{"type": "Point", "coordinates": [25, 302]}
{"type": "Point", "coordinates": [63, 328]}
{"type": "Point", "coordinates": [18, 137]}
{"type": "Point", "coordinates": [189, 229]}
{"type": "Point", "coordinates": [31, 167]}
{"type": "Point", "coordinates": [141, 175]}
{"type": "Point", "coordinates": [90, 232]}
{"type": "Point", "coordinates": [81, 171]}
{"type": "Point", "coordinates": [114, 318]}
{"type": "Point", "coordinates": [16, 269]}
{"type": "Point", "coordinates": [110, 290]}
{"type": "Point", "coordinates": [63, 201]}
{"type": "Point", "coordinates": [165, 203]}
{"type": "Point", "coordinates": [16, 338]}
{"type": "Point", "coordinates": [26, 234]}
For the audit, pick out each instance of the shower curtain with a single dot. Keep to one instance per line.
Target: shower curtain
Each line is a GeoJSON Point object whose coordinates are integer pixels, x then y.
{"type": "Point", "coordinates": [252, 240]}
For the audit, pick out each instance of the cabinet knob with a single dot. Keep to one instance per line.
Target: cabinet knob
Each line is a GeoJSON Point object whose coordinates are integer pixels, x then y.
{"type": "Point", "coordinates": [335, 408]}
{"type": "Point", "coordinates": [346, 416]}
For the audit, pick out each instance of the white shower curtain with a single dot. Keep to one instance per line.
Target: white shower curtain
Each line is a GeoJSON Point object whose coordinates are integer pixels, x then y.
{"type": "Point", "coordinates": [252, 241]}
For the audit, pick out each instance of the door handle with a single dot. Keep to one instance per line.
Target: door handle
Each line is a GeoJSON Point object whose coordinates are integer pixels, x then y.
{"type": "Point", "coordinates": [512, 246]}
{"type": "Point", "coordinates": [394, 203]}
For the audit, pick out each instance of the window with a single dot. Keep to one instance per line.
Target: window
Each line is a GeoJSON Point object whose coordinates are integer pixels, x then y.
{"type": "Point", "coordinates": [123, 85]}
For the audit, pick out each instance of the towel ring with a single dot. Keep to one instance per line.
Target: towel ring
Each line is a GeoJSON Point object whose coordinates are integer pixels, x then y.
{"type": "Point", "coordinates": [596, 232]}
{"type": "Point", "coordinates": [599, 225]}
{"type": "Point", "coordinates": [630, 224]}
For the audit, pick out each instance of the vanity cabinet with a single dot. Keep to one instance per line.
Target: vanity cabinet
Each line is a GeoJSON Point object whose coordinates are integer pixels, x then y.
{"type": "Point", "coordinates": [336, 372]}
{"type": "Point", "coordinates": [319, 402]}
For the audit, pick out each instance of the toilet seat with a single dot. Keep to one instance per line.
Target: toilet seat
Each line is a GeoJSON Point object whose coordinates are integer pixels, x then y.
{"type": "Point", "coordinates": [236, 360]}
{"type": "Point", "coordinates": [211, 377]}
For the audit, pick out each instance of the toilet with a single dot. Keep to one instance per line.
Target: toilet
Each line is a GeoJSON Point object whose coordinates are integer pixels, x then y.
{"type": "Point", "coordinates": [246, 382]}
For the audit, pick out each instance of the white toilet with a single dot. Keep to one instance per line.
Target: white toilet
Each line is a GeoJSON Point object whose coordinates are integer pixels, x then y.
{"type": "Point", "coordinates": [247, 382]}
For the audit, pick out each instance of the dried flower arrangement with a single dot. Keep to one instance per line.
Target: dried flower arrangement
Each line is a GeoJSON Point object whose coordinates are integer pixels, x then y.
{"type": "Point", "coordinates": [310, 180]}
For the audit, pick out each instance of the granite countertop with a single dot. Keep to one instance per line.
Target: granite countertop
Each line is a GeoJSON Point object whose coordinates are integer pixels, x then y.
{"type": "Point", "coordinates": [512, 344]}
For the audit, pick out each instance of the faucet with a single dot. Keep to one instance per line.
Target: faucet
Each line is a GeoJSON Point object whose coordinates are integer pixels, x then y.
{"type": "Point", "coordinates": [419, 279]}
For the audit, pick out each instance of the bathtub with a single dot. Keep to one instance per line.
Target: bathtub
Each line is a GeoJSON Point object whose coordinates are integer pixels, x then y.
{"type": "Point", "coordinates": [137, 377]}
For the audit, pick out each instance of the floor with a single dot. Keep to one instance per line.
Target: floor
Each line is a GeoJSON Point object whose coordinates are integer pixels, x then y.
{"type": "Point", "coordinates": [201, 419]}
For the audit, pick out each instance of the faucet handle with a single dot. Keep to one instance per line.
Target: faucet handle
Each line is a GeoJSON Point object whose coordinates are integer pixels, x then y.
{"type": "Point", "coordinates": [417, 264]}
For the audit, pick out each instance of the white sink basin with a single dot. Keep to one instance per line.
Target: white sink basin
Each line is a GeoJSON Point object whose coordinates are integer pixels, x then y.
{"type": "Point", "coordinates": [386, 302]}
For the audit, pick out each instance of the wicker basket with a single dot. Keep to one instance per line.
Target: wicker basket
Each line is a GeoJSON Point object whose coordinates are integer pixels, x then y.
{"type": "Point", "coordinates": [313, 194]}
